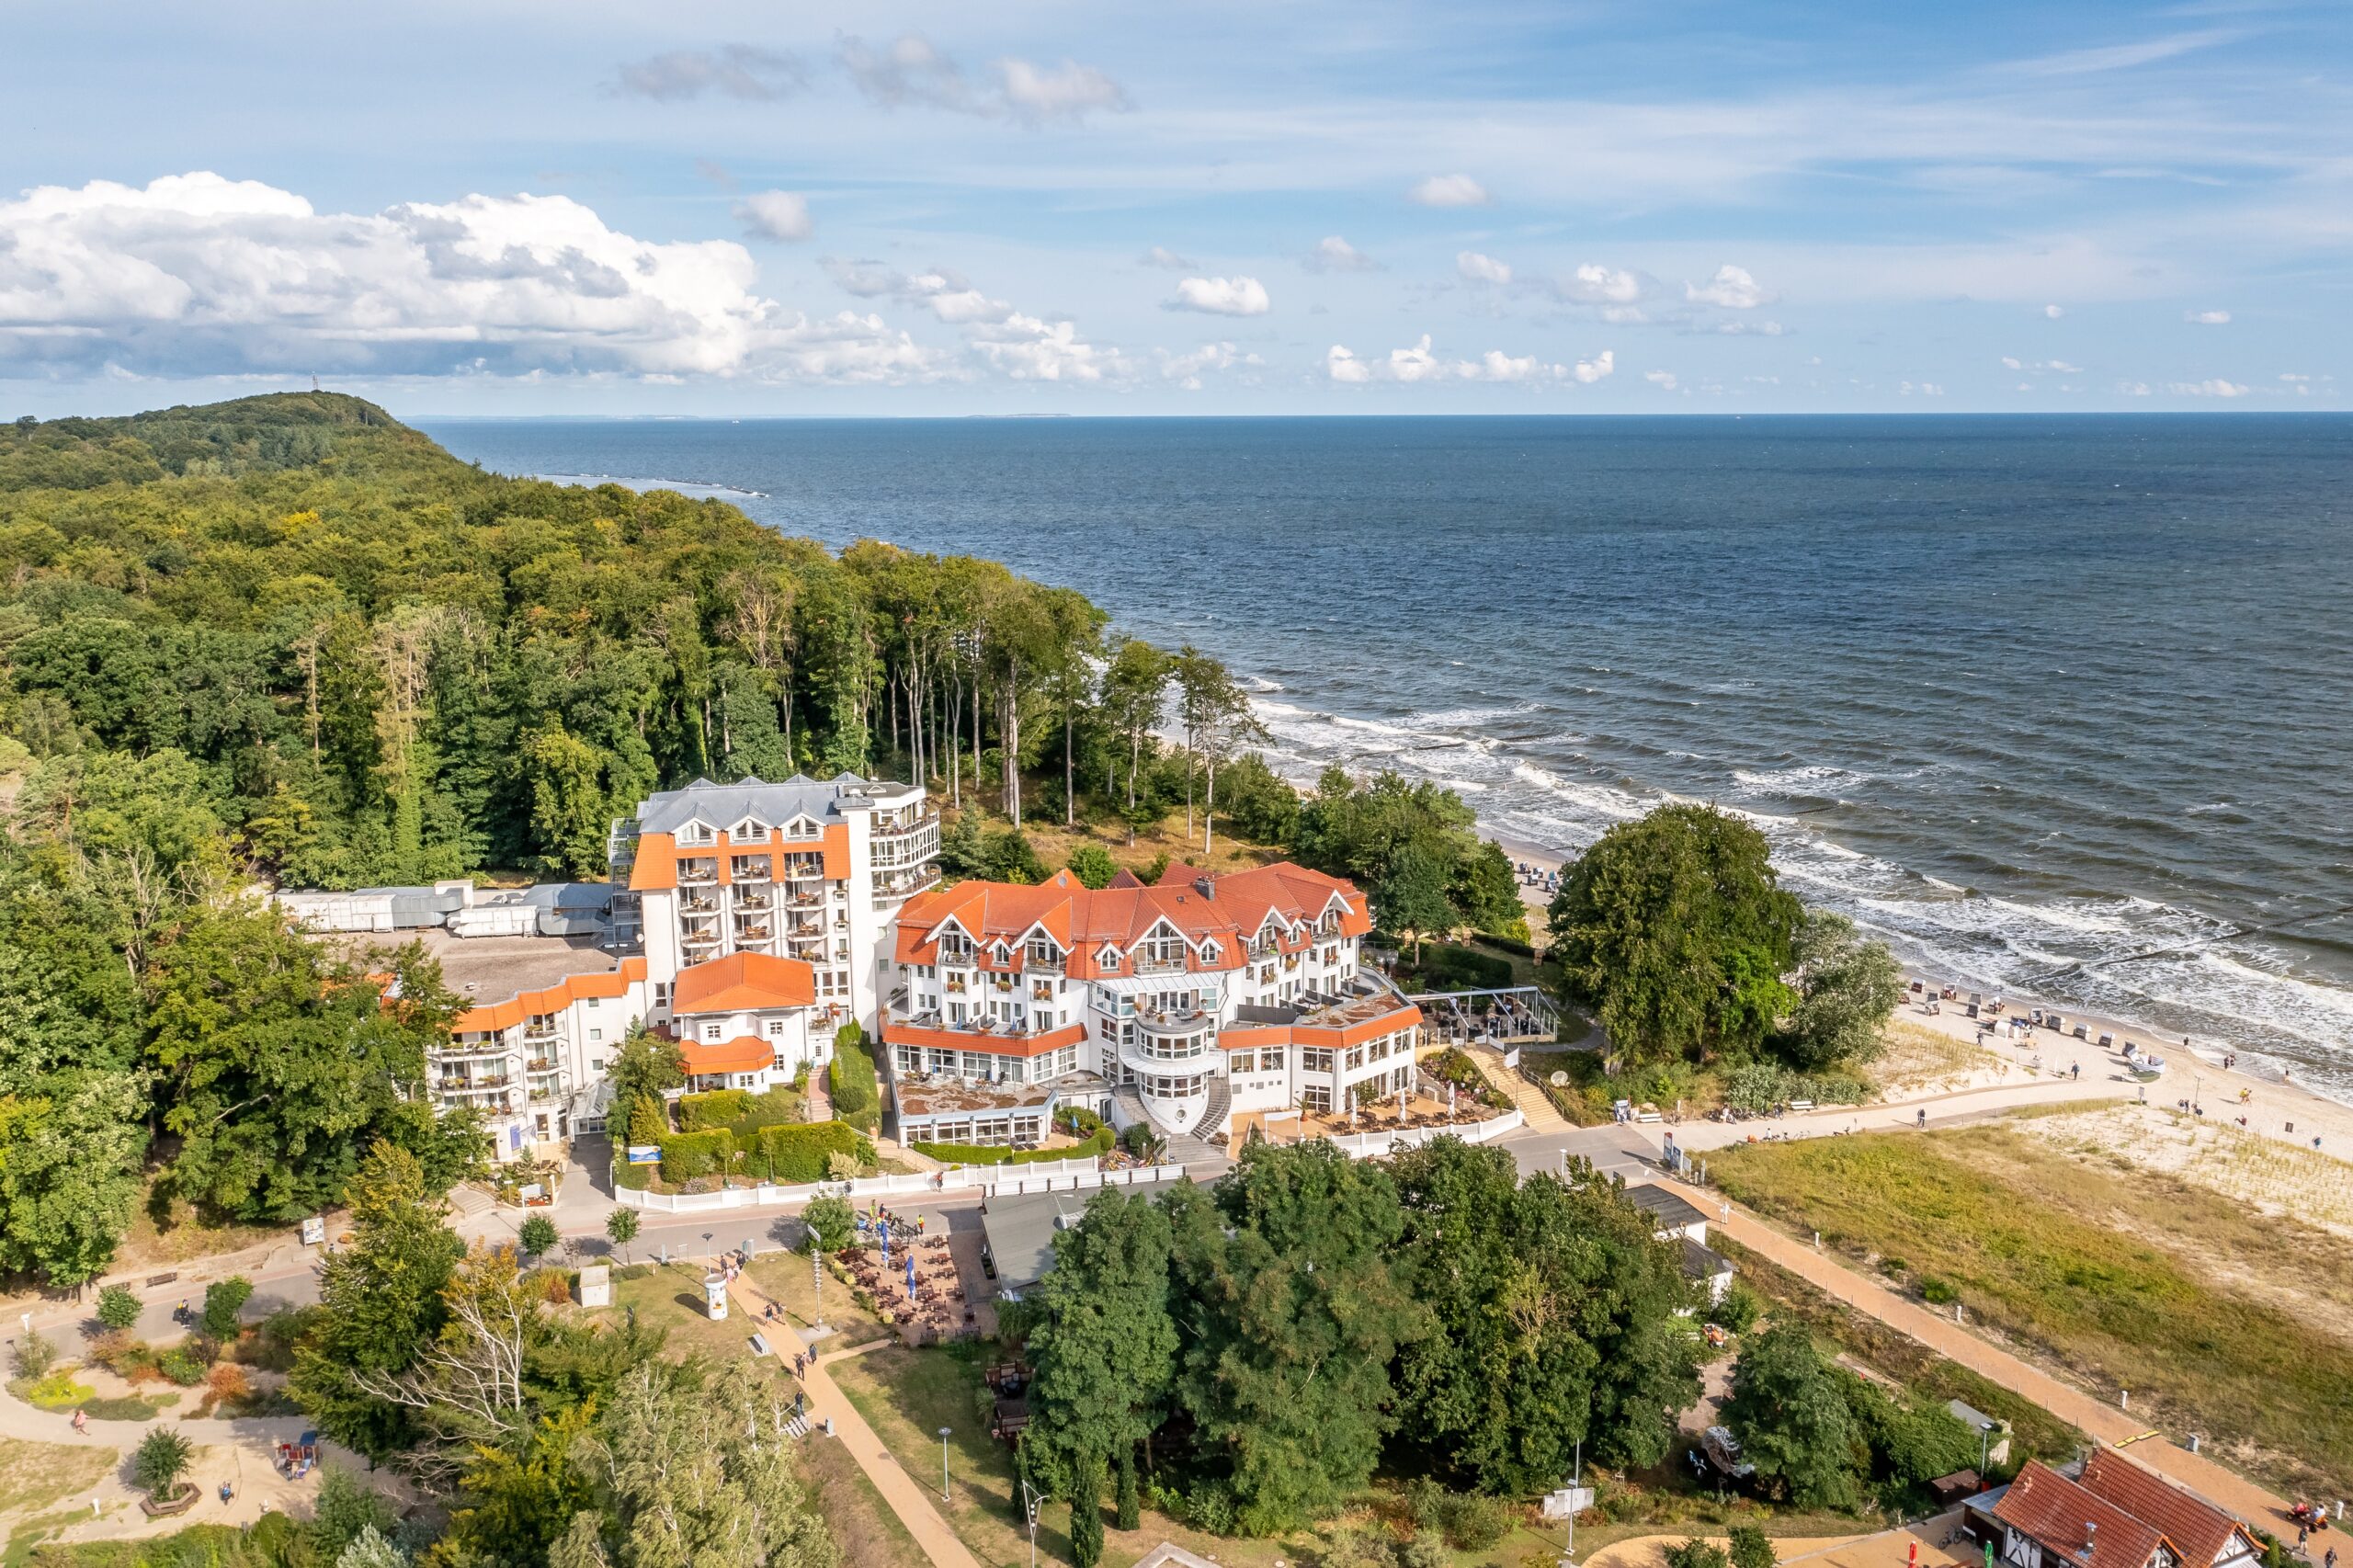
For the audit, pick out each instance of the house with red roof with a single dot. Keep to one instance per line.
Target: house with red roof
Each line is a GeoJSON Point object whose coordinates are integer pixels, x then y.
{"type": "Point", "coordinates": [1174, 1004]}
{"type": "Point", "coordinates": [2049, 1521]}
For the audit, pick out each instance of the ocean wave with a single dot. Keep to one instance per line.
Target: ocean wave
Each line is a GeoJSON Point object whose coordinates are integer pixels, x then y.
{"type": "Point", "coordinates": [683, 487]}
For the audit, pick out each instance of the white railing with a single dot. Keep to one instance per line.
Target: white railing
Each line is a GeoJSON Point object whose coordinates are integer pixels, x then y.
{"type": "Point", "coordinates": [1044, 1175]}
{"type": "Point", "coordinates": [1373, 1145]}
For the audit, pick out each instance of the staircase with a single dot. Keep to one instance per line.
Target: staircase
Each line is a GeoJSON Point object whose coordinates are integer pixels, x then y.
{"type": "Point", "coordinates": [1184, 1148]}
{"type": "Point", "coordinates": [1532, 1104]}
{"type": "Point", "coordinates": [468, 1200]}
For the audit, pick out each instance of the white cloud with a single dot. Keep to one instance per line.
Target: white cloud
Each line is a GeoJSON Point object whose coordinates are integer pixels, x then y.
{"type": "Point", "coordinates": [1750, 328]}
{"type": "Point", "coordinates": [1187, 370]}
{"type": "Point", "coordinates": [1926, 389]}
{"type": "Point", "coordinates": [776, 215]}
{"type": "Point", "coordinates": [2060, 367]}
{"type": "Point", "coordinates": [2053, 312]}
{"type": "Point", "coordinates": [1334, 254]}
{"type": "Point", "coordinates": [1449, 191]}
{"type": "Point", "coordinates": [2054, 366]}
{"type": "Point", "coordinates": [734, 70]}
{"type": "Point", "coordinates": [2215, 387]}
{"type": "Point", "coordinates": [1663, 380]}
{"type": "Point", "coordinates": [1028, 348]}
{"type": "Point", "coordinates": [195, 274]}
{"type": "Point", "coordinates": [911, 69]}
{"type": "Point", "coordinates": [947, 295]}
{"type": "Point", "coordinates": [2206, 318]}
{"type": "Point", "coordinates": [1162, 257]}
{"type": "Point", "coordinates": [2292, 376]}
{"type": "Point", "coordinates": [1071, 91]}
{"type": "Point", "coordinates": [1595, 284]}
{"type": "Point", "coordinates": [1732, 288]}
{"type": "Point", "coordinates": [2134, 389]}
{"type": "Point", "coordinates": [1478, 268]}
{"type": "Point", "coordinates": [2124, 56]}
{"type": "Point", "coordinates": [1420, 363]}
{"type": "Point", "coordinates": [1222, 297]}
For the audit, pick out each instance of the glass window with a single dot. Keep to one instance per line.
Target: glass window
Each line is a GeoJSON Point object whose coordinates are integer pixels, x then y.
{"type": "Point", "coordinates": [1241, 1061]}
{"type": "Point", "coordinates": [1270, 1059]}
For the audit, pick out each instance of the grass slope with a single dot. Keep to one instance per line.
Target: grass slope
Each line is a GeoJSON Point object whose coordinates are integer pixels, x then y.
{"type": "Point", "coordinates": [2100, 1274]}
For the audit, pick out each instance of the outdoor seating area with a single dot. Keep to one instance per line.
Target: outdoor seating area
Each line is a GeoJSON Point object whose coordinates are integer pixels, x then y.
{"type": "Point", "coordinates": [1416, 1109]}
{"type": "Point", "coordinates": [914, 1283]}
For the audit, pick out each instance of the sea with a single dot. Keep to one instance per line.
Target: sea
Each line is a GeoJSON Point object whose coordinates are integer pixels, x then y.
{"type": "Point", "coordinates": [2060, 707]}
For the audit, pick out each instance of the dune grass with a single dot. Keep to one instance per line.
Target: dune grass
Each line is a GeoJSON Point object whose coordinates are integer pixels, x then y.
{"type": "Point", "coordinates": [2097, 1273]}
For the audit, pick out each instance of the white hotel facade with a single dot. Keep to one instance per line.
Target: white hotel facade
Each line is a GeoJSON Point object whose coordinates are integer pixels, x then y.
{"type": "Point", "coordinates": [753, 920]}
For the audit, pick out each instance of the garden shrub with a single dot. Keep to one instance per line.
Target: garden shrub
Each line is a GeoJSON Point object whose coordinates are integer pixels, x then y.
{"type": "Point", "coordinates": [796, 1153]}
{"type": "Point", "coordinates": [182, 1365]}
{"type": "Point", "coordinates": [54, 1390]}
{"type": "Point", "coordinates": [1696, 1554]}
{"type": "Point", "coordinates": [858, 1093]}
{"type": "Point", "coordinates": [1475, 1523]}
{"type": "Point", "coordinates": [998, 1154]}
{"type": "Point", "coordinates": [1752, 1548]}
{"type": "Point", "coordinates": [773, 1107]}
{"type": "Point", "coordinates": [720, 1108]}
{"type": "Point", "coordinates": [1938, 1292]}
{"type": "Point", "coordinates": [223, 1300]}
{"type": "Point", "coordinates": [687, 1156]}
{"type": "Point", "coordinates": [637, 1178]}
{"type": "Point", "coordinates": [117, 1307]}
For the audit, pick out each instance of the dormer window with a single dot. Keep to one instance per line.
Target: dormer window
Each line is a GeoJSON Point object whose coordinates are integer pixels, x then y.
{"type": "Point", "coordinates": [801, 827]}
{"type": "Point", "coordinates": [1001, 953]}
{"type": "Point", "coordinates": [696, 833]}
{"type": "Point", "coordinates": [1210, 952]}
{"type": "Point", "coordinates": [1108, 958]}
{"type": "Point", "coordinates": [750, 832]}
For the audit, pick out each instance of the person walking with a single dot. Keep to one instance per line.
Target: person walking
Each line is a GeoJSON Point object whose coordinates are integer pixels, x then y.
{"type": "Point", "coordinates": [80, 1420]}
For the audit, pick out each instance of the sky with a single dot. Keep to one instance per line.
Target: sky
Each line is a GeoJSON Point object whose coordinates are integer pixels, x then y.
{"type": "Point", "coordinates": [1483, 206]}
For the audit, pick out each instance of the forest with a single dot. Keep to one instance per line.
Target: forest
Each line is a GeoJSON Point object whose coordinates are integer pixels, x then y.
{"type": "Point", "coordinates": [286, 641]}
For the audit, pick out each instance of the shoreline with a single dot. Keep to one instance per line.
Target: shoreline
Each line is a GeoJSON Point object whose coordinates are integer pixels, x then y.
{"type": "Point", "coordinates": [2253, 1071]}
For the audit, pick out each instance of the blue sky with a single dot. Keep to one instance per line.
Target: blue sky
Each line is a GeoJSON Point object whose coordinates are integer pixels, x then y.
{"type": "Point", "coordinates": [1583, 206]}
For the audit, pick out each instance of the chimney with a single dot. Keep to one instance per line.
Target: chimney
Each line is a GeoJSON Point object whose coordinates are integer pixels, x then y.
{"type": "Point", "coordinates": [1205, 887]}
{"type": "Point", "coordinates": [2091, 1531]}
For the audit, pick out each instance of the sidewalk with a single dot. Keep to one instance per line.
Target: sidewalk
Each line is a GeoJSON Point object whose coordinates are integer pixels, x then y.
{"type": "Point", "coordinates": [1533, 1102]}
{"type": "Point", "coordinates": [912, 1503]}
{"type": "Point", "coordinates": [2098, 1419]}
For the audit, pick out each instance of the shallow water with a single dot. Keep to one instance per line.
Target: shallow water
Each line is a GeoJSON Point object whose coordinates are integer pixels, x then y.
{"type": "Point", "coordinates": [2021, 694]}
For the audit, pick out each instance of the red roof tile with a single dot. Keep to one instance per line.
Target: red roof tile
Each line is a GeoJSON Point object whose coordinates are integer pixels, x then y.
{"type": "Point", "coordinates": [744, 1053]}
{"type": "Point", "coordinates": [744, 983]}
{"type": "Point", "coordinates": [2063, 1517]}
{"type": "Point", "coordinates": [2200, 1529]}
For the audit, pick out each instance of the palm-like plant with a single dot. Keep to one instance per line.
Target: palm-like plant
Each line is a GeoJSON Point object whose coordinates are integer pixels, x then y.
{"type": "Point", "coordinates": [161, 1461]}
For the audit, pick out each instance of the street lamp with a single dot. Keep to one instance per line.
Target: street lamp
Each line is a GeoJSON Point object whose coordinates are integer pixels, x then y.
{"type": "Point", "coordinates": [1032, 1500]}
{"type": "Point", "coordinates": [943, 1464]}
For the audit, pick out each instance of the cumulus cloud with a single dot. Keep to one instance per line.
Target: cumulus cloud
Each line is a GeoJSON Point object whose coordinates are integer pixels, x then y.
{"type": "Point", "coordinates": [776, 215]}
{"type": "Point", "coordinates": [1449, 191]}
{"type": "Point", "coordinates": [912, 70]}
{"type": "Point", "coordinates": [199, 275]}
{"type": "Point", "coordinates": [1732, 288]}
{"type": "Point", "coordinates": [1594, 284]}
{"type": "Point", "coordinates": [866, 278]}
{"type": "Point", "coordinates": [945, 294]}
{"type": "Point", "coordinates": [1749, 328]}
{"type": "Point", "coordinates": [1068, 91]}
{"type": "Point", "coordinates": [733, 71]}
{"type": "Point", "coordinates": [1477, 268]}
{"type": "Point", "coordinates": [2053, 312]}
{"type": "Point", "coordinates": [2206, 318]}
{"type": "Point", "coordinates": [1187, 370]}
{"type": "Point", "coordinates": [1030, 349]}
{"type": "Point", "coordinates": [1222, 297]}
{"type": "Point", "coordinates": [1663, 380]}
{"type": "Point", "coordinates": [2214, 386]}
{"type": "Point", "coordinates": [1334, 254]}
{"type": "Point", "coordinates": [1926, 389]}
{"type": "Point", "coordinates": [1162, 257]}
{"type": "Point", "coordinates": [1419, 362]}
{"type": "Point", "coordinates": [2054, 367]}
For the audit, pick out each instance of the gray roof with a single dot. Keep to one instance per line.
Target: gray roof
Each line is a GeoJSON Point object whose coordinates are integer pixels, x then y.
{"type": "Point", "coordinates": [1663, 1206]}
{"type": "Point", "coordinates": [1021, 1233]}
{"type": "Point", "coordinates": [1702, 1262]}
{"type": "Point", "coordinates": [725, 805]}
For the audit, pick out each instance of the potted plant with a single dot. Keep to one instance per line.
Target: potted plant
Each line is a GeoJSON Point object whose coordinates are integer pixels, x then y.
{"type": "Point", "coordinates": [160, 1466]}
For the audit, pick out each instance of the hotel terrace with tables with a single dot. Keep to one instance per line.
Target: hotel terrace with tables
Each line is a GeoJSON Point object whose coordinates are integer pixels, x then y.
{"type": "Point", "coordinates": [1183, 1005]}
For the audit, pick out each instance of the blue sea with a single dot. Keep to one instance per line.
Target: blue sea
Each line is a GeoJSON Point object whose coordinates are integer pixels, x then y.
{"type": "Point", "coordinates": [2060, 706]}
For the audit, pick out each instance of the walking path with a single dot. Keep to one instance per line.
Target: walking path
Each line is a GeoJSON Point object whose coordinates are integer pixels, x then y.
{"type": "Point", "coordinates": [911, 1501]}
{"type": "Point", "coordinates": [2098, 1419]}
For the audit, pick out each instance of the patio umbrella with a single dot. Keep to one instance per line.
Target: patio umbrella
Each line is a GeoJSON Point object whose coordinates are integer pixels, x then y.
{"type": "Point", "coordinates": [911, 1276]}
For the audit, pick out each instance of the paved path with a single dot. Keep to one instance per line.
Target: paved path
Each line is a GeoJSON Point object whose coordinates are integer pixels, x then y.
{"type": "Point", "coordinates": [2100, 1420]}
{"type": "Point", "coordinates": [1534, 1106]}
{"type": "Point", "coordinates": [911, 1501]}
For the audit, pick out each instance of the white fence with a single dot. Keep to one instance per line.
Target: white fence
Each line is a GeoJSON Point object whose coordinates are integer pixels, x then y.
{"type": "Point", "coordinates": [1373, 1145]}
{"type": "Point", "coordinates": [1044, 1175]}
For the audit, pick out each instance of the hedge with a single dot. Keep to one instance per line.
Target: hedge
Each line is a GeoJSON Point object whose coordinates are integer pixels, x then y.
{"type": "Point", "coordinates": [1462, 969]}
{"type": "Point", "coordinates": [858, 1095]}
{"type": "Point", "coordinates": [983, 1154]}
{"type": "Point", "coordinates": [720, 1108]}
{"type": "Point", "coordinates": [687, 1155]}
{"type": "Point", "coordinates": [797, 1153]}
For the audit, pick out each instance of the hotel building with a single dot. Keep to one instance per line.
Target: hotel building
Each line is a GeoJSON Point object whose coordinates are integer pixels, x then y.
{"type": "Point", "coordinates": [754, 921]}
{"type": "Point", "coordinates": [1175, 1003]}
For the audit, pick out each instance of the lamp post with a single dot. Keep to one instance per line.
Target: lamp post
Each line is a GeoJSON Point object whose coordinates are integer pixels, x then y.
{"type": "Point", "coordinates": [943, 1464]}
{"type": "Point", "coordinates": [1031, 1500]}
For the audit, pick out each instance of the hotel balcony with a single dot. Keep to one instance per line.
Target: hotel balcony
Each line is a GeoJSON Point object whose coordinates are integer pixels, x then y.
{"type": "Point", "coordinates": [804, 868]}
{"type": "Point", "coordinates": [891, 886]}
{"type": "Point", "coordinates": [746, 899]}
{"type": "Point", "coordinates": [758, 932]}
{"type": "Point", "coordinates": [752, 870]}
{"type": "Point", "coordinates": [699, 903]}
{"type": "Point", "coordinates": [480, 1051]}
{"type": "Point", "coordinates": [1160, 966]}
{"type": "Point", "coordinates": [540, 1064]}
{"type": "Point", "coordinates": [470, 1085]}
{"type": "Point", "coordinates": [698, 944]}
{"type": "Point", "coordinates": [698, 873]}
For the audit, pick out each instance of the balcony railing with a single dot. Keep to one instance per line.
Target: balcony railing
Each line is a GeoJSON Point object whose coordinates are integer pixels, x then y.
{"type": "Point", "coordinates": [751, 901]}
{"type": "Point", "coordinates": [759, 933]}
{"type": "Point", "coordinates": [699, 904]}
{"type": "Point", "coordinates": [698, 873]}
{"type": "Point", "coordinates": [748, 871]}
{"type": "Point", "coordinates": [1159, 966]}
{"type": "Point", "coordinates": [470, 1085]}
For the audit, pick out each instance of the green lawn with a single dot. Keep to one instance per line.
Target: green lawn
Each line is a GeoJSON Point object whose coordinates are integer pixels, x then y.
{"type": "Point", "coordinates": [2110, 1276]}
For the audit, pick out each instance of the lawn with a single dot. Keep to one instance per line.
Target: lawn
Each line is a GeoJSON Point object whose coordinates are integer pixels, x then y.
{"type": "Point", "coordinates": [2124, 1282]}
{"type": "Point", "coordinates": [34, 1475]}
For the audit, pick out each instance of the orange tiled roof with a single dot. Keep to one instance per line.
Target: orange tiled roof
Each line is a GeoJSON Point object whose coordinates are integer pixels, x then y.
{"type": "Point", "coordinates": [744, 1053]}
{"type": "Point", "coordinates": [496, 1015]}
{"type": "Point", "coordinates": [744, 982]}
{"type": "Point", "coordinates": [2058, 1516]}
{"type": "Point", "coordinates": [896, 1033]}
{"type": "Point", "coordinates": [1231, 909]}
{"type": "Point", "coordinates": [2202, 1530]}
